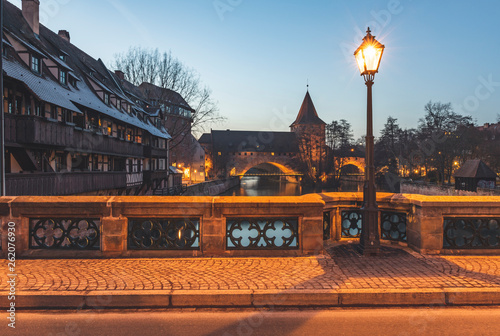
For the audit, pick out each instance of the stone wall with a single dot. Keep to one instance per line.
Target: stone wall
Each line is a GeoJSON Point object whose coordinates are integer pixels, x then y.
{"type": "Point", "coordinates": [212, 188]}
{"type": "Point", "coordinates": [439, 190]}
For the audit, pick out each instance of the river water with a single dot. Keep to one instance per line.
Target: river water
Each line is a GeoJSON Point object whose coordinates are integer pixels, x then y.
{"type": "Point", "coordinates": [263, 186]}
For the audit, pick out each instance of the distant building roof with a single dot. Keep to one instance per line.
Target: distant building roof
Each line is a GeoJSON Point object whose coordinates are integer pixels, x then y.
{"type": "Point", "coordinates": [475, 169]}
{"type": "Point", "coordinates": [175, 170]}
{"type": "Point", "coordinates": [307, 113]}
{"type": "Point", "coordinates": [253, 141]}
{"type": "Point", "coordinates": [205, 138]}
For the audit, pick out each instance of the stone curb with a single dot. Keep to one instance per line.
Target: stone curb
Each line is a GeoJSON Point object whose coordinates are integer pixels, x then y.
{"type": "Point", "coordinates": [134, 299]}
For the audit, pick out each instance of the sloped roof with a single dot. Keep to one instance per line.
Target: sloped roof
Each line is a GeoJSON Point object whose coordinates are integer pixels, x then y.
{"type": "Point", "coordinates": [152, 91]}
{"type": "Point", "coordinates": [307, 113]}
{"type": "Point", "coordinates": [205, 138]}
{"type": "Point", "coordinates": [253, 141]}
{"type": "Point", "coordinates": [475, 169]}
{"type": "Point", "coordinates": [44, 89]}
{"type": "Point", "coordinates": [175, 170]}
{"type": "Point", "coordinates": [82, 64]}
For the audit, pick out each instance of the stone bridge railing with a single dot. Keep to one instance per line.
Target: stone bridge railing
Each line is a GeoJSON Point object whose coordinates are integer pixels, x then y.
{"type": "Point", "coordinates": [153, 226]}
{"type": "Point", "coordinates": [428, 224]}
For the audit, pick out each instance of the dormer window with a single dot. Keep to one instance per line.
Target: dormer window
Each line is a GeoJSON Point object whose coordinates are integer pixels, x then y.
{"type": "Point", "coordinates": [119, 104]}
{"type": "Point", "coordinates": [63, 77]}
{"type": "Point", "coordinates": [35, 64]}
{"type": "Point", "coordinates": [62, 58]}
{"type": "Point", "coordinates": [106, 98]}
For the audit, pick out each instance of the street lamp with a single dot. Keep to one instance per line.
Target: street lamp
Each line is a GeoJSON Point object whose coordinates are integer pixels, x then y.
{"type": "Point", "coordinates": [368, 57]}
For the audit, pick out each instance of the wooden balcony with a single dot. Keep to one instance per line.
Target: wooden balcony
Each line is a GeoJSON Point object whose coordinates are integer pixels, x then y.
{"type": "Point", "coordinates": [34, 130]}
{"type": "Point", "coordinates": [48, 184]}
{"type": "Point", "coordinates": [150, 176]}
{"type": "Point", "coordinates": [150, 151]}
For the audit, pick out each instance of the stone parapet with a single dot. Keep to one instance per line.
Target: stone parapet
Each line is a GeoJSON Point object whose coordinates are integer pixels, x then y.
{"type": "Point", "coordinates": [102, 227]}
{"type": "Point", "coordinates": [425, 216]}
{"type": "Point", "coordinates": [68, 232]}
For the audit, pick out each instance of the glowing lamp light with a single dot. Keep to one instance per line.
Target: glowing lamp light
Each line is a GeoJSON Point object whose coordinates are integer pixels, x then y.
{"type": "Point", "coordinates": [369, 54]}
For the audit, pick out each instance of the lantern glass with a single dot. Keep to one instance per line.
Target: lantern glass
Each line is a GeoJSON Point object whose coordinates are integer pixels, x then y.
{"type": "Point", "coordinates": [369, 54]}
{"type": "Point", "coordinates": [372, 57]}
{"type": "Point", "coordinates": [360, 60]}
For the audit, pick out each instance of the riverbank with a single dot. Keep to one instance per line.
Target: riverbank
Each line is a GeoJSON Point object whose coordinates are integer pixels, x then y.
{"type": "Point", "coordinates": [443, 190]}
{"type": "Point", "coordinates": [212, 188]}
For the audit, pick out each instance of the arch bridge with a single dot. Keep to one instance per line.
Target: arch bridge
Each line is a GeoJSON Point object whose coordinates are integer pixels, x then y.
{"type": "Point", "coordinates": [355, 161]}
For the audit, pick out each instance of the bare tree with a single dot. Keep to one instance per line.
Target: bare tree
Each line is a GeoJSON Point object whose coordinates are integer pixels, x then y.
{"type": "Point", "coordinates": [440, 121]}
{"type": "Point", "coordinates": [166, 71]}
{"type": "Point", "coordinates": [339, 139]}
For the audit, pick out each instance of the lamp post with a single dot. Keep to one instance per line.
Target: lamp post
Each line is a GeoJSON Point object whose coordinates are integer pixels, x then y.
{"type": "Point", "coordinates": [368, 57]}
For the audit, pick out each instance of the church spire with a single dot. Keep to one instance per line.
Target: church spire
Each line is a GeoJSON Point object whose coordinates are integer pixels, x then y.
{"type": "Point", "coordinates": [307, 113]}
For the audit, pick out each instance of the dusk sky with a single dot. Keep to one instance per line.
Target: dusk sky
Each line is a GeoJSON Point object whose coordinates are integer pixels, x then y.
{"type": "Point", "coordinates": [257, 55]}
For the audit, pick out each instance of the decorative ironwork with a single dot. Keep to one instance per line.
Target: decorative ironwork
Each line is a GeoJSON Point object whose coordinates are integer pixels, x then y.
{"type": "Point", "coordinates": [58, 233]}
{"type": "Point", "coordinates": [352, 223]}
{"type": "Point", "coordinates": [326, 225]}
{"type": "Point", "coordinates": [164, 234]}
{"type": "Point", "coordinates": [471, 233]}
{"type": "Point", "coordinates": [262, 233]}
{"type": "Point", "coordinates": [393, 225]}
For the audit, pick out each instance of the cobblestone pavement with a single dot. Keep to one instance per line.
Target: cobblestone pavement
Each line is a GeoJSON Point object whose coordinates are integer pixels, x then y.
{"type": "Point", "coordinates": [340, 268]}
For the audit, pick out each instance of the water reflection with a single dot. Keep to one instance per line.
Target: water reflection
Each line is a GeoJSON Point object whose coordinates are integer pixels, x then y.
{"type": "Point", "coordinates": [264, 186]}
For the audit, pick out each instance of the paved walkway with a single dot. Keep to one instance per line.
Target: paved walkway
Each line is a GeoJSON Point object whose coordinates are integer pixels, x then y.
{"type": "Point", "coordinates": [341, 268]}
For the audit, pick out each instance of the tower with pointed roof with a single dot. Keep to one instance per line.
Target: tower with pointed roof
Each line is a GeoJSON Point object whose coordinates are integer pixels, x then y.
{"type": "Point", "coordinates": [310, 133]}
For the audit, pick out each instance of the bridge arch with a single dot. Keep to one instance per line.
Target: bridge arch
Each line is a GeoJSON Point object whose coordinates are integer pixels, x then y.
{"type": "Point", "coordinates": [240, 164]}
{"type": "Point", "coordinates": [358, 162]}
{"type": "Point", "coordinates": [283, 168]}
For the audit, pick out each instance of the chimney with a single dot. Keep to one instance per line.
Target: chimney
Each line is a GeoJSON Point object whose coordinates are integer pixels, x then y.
{"type": "Point", "coordinates": [64, 34]}
{"type": "Point", "coordinates": [120, 74]}
{"type": "Point", "coordinates": [31, 13]}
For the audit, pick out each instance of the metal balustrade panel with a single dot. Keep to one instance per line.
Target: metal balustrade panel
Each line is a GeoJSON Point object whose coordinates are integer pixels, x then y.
{"type": "Point", "coordinates": [393, 225]}
{"type": "Point", "coordinates": [164, 234]}
{"type": "Point", "coordinates": [262, 233]}
{"type": "Point", "coordinates": [65, 234]}
{"type": "Point", "coordinates": [351, 223]}
{"type": "Point", "coordinates": [327, 225]}
{"type": "Point", "coordinates": [471, 233]}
